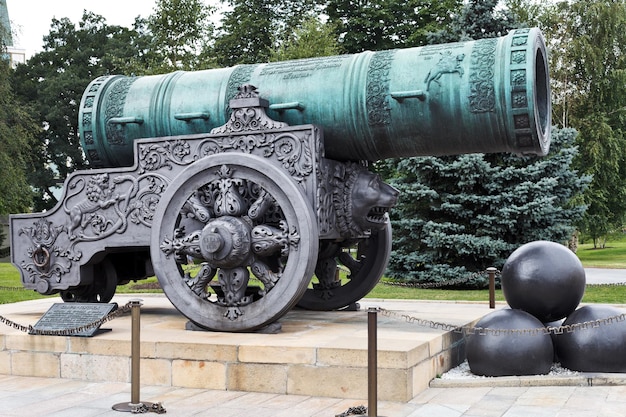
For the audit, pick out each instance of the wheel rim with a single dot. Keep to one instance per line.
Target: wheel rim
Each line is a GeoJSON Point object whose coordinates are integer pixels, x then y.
{"type": "Point", "coordinates": [365, 270]}
{"type": "Point", "coordinates": [251, 233]}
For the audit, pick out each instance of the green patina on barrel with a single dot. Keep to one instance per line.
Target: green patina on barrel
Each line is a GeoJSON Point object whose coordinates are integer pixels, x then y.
{"type": "Point", "coordinates": [489, 95]}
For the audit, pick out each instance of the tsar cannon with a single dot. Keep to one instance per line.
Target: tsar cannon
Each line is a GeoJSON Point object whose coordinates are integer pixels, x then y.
{"type": "Point", "coordinates": [246, 190]}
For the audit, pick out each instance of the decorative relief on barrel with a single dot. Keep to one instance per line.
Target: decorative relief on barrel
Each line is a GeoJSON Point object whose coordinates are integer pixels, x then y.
{"type": "Point", "coordinates": [115, 133]}
{"type": "Point", "coordinates": [94, 157]}
{"type": "Point", "coordinates": [86, 121]}
{"type": "Point", "coordinates": [519, 100]}
{"type": "Point", "coordinates": [448, 64]}
{"type": "Point", "coordinates": [240, 76]}
{"type": "Point", "coordinates": [522, 121]}
{"type": "Point", "coordinates": [88, 135]}
{"type": "Point", "coordinates": [482, 96]}
{"type": "Point", "coordinates": [518, 77]}
{"type": "Point", "coordinates": [518, 57]}
{"type": "Point", "coordinates": [378, 109]}
{"type": "Point", "coordinates": [519, 40]}
{"type": "Point", "coordinates": [88, 138]}
{"type": "Point", "coordinates": [519, 89]}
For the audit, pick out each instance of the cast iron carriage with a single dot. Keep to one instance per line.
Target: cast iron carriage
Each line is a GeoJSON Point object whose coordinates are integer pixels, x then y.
{"type": "Point", "coordinates": [246, 189]}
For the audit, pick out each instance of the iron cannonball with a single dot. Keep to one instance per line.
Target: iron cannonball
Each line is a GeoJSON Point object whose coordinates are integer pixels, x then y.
{"type": "Point", "coordinates": [545, 279]}
{"type": "Point", "coordinates": [593, 349]}
{"type": "Point", "coordinates": [508, 354]}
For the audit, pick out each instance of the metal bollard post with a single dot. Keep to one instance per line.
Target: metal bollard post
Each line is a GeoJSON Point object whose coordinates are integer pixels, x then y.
{"type": "Point", "coordinates": [135, 405]}
{"type": "Point", "coordinates": [372, 364]}
{"type": "Point", "coordinates": [492, 286]}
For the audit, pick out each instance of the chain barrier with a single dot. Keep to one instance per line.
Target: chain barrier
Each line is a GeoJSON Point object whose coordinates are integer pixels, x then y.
{"type": "Point", "coordinates": [353, 411]}
{"type": "Point", "coordinates": [2, 288]}
{"type": "Point", "coordinates": [464, 280]}
{"type": "Point", "coordinates": [608, 284]}
{"type": "Point", "coordinates": [67, 332]}
{"type": "Point", "coordinates": [483, 331]}
{"type": "Point", "coordinates": [142, 408]}
{"type": "Point", "coordinates": [439, 284]}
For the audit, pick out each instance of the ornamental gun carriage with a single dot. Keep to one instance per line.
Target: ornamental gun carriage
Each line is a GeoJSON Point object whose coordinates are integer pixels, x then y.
{"type": "Point", "coordinates": [245, 189]}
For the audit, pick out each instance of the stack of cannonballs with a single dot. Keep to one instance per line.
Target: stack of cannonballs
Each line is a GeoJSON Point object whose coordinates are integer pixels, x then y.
{"type": "Point", "coordinates": [543, 283]}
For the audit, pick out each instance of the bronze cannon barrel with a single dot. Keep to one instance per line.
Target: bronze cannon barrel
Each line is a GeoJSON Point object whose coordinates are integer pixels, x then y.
{"type": "Point", "coordinates": [490, 95]}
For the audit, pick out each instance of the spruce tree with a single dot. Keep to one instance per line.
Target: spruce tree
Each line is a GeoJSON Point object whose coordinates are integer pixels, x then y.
{"type": "Point", "coordinates": [458, 215]}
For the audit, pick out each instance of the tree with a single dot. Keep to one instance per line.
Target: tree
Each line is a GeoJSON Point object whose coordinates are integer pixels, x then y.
{"type": "Point", "coordinates": [251, 29]}
{"type": "Point", "coordinates": [385, 24]}
{"type": "Point", "coordinates": [459, 215]}
{"type": "Point", "coordinates": [180, 33]}
{"type": "Point", "coordinates": [312, 39]}
{"type": "Point", "coordinates": [588, 79]}
{"type": "Point", "coordinates": [477, 19]}
{"type": "Point", "coordinates": [53, 81]}
{"type": "Point", "coordinates": [588, 72]}
{"type": "Point", "coordinates": [17, 137]}
{"type": "Point", "coordinates": [598, 55]}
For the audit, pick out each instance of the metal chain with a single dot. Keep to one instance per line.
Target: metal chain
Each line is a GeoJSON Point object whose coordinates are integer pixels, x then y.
{"type": "Point", "coordinates": [608, 284]}
{"type": "Point", "coordinates": [142, 409]}
{"type": "Point", "coordinates": [482, 331]}
{"type": "Point", "coordinates": [464, 280]}
{"type": "Point", "coordinates": [438, 284]}
{"type": "Point", "coordinates": [358, 410]}
{"type": "Point", "coordinates": [3, 288]}
{"type": "Point", "coordinates": [67, 332]}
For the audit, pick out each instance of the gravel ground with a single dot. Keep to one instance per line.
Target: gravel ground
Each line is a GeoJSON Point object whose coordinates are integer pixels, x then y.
{"type": "Point", "coordinates": [463, 372]}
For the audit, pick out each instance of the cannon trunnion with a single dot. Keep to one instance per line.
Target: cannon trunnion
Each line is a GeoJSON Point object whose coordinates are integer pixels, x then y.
{"type": "Point", "coordinates": [246, 202]}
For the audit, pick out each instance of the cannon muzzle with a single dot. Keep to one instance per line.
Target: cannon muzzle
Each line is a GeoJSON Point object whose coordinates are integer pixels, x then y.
{"type": "Point", "coordinates": [490, 95]}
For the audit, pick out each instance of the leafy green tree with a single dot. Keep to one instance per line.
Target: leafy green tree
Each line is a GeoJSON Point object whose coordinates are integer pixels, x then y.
{"type": "Point", "coordinates": [598, 54]}
{"type": "Point", "coordinates": [459, 215]}
{"type": "Point", "coordinates": [17, 138]}
{"type": "Point", "coordinates": [179, 33]}
{"type": "Point", "coordinates": [53, 81]}
{"type": "Point", "coordinates": [385, 24]}
{"type": "Point", "coordinates": [477, 19]}
{"type": "Point", "coordinates": [251, 29]}
{"type": "Point", "coordinates": [312, 39]}
{"type": "Point", "coordinates": [588, 72]}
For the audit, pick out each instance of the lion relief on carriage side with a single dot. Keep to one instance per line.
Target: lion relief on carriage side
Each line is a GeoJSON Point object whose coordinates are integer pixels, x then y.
{"type": "Point", "coordinates": [371, 200]}
{"type": "Point", "coordinates": [362, 200]}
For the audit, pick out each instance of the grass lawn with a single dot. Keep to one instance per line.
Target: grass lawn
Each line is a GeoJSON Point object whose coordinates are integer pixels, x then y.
{"type": "Point", "coordinates": [10, 286]}
{"type": "Point", "coordinates": [612, 256]}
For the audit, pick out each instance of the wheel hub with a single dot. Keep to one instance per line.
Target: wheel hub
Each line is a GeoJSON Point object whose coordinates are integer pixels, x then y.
{"type": "Point", "coordinates": [225, 242]}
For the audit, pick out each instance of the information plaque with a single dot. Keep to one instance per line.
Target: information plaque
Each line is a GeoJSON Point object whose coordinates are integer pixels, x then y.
{"type": "Point", "coordinates": [68, 316]}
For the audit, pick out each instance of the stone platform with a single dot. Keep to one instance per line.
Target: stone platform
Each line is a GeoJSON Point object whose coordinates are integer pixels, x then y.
{"type": "Point", "coordinates": [322, 354]}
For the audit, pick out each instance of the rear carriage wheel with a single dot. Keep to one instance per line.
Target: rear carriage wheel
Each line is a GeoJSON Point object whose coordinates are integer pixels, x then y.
{"type": "Point", "coordinates": [363, 263]}
{"type": "Point", "coordinates": [236, 242]}
{"type": "Point", "coordinates": [101, 290]}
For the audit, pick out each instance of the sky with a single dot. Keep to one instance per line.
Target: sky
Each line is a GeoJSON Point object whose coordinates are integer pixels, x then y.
{"type": "Point", "coordinates": [30, 19]}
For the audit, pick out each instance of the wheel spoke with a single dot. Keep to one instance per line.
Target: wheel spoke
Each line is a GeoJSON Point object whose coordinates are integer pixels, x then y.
{"type": "Point", "coordinates": [244, 225]}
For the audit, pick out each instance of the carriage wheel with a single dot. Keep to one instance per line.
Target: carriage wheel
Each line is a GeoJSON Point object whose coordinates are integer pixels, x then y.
{"type": "Point", "coordinates": [101, 290]}
{"type": "Point", "coordinates": [365, 261]}
{"type": "Point", "coordinates": [236, 243]}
